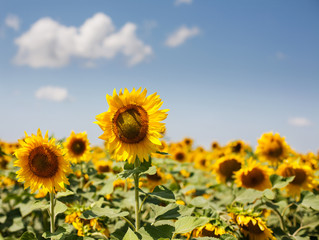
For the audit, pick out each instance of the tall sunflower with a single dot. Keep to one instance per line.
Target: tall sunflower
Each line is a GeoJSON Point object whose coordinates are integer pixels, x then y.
{"type": "Point", "coordinates": [78, 147]}
{"type": "Point", "coordinates": [132, 124]}
{"type": "Point", "coordinates": [254, 175]}
{"type": "Point", "coordinates": [304, 177]}
{"type": "Point", "coordinates": [41, 162]}
{"type": "Point", "coordinates": [272, 148]}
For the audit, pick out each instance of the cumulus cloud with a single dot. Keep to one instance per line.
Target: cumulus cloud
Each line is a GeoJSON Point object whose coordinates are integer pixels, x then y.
{"type": "Point", "coordinates": [299, 122]}
{"type": "Point", "coordinates": [56, 94]}
{"type": "Point", "coordinates": [181, 35]}
{"type": "Point", "coordinates": [13, 21]}
{"type": "Point", "coordinates": [179, 2]}
{"type": "Point", "coordinates": [50, 44]}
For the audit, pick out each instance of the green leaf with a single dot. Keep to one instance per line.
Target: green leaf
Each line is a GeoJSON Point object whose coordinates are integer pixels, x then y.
{"type": "Point", "coordinates": [279, 181]}
{"type": "Point", "coordinates": [171, 211]}
{"type": "Point", "coordinates": [64, 194]}
{"type": "Point", "coordinates": [59, 208]}
{"type": "Point", "coordinates": [17, 225]}
{"type": "Point", "coordinates": [156, 232]}
{"type": "Point", "coordinates": [311, 201]}
{"type": "Point", "coordinates": [248, 196]}
{"type": "Point", "coordinates": [227, 237]}
{"type": "Point", "coordinates": [162, 153]}
{"type": "Point", "coordinates": [187, 224]}
{"type": "Point", "coordinates": [103, 212]}
{"type": "Point", "coordinates": [199, 201]}
{"type": "Point", "coordinates": [63, 232]}
{"type": "Point", "coordinates": [108, 187]}
{"type": "Point", "coordinates": [163, 193]}
{"type": "Point", "coordinates": [269, 194]}
{"type": "Point", "coordinates": [129, 169]}
{"type": "Point", "coordinates": [130, 235]}
{"type": "Point", "coordinates": [27, 208]}
{"type": "Point", "coordinates": [28, 236]}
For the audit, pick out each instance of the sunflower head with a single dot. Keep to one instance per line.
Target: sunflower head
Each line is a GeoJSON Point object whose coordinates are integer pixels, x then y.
{"type": "Point", "coordinates": [304, 177]}
{"type": "Point", "coordinates": [253, 227]}
{"type": "Point", "coordinates": [237, 147]}
{"type": "Point", "coordinates": [131, 125]}
{"type": "Point", "coordinates": [78, 147]}
{"type": "Point", "coordinates": [254, 175]}
{"type": "Point", "coordinates": [180, 155]}
{"type": "Point", "coordinates": [42, 165]}
{"type": "Point", "coordinates": [202, 160]}
{"type": "Point", "coordinates": [226, 166]}
{"type": "Point", "coordinates": [273, 148]}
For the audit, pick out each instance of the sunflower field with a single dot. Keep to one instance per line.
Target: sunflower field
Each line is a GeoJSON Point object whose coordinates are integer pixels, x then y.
{"type": "Point", "coordinates": [138, 185]}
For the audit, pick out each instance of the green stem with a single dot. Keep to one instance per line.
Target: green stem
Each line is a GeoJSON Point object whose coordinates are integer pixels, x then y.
{"type": "Point", "coordinates": [281, 220]}
{"type": "Point", "coordinates": [81, 182]}
{"type": "Point", "coordinates": [52, 215]}
{"type": "Point", "coordinates": [129, 222]}
{"type": "Point", "coordinates": [137, 199]}
{"type": "Point", "coordinates": [140, 209]}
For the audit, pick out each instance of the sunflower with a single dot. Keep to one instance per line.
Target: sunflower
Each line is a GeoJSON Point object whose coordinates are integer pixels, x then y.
{"type": "Point", "coordinates": [179, 154]}
{"type": "Point", "coordinates": [273, 148]}
{"type": "Point", "coordinates": [226, 166]}
{"type": "Point", "coordinates": [202, 161]}
{"type": "Point", "coordinates": [253, 227]}
{"type": "Point", "coordinates": [304, 177]}
{"type": "Point", "coordinates": [132, 124]}
{"type": "Point", "coordinates": [237, 147]}
{"type": "Point", "coordinates": [156, 179]}
{"type": "Point", "coordinates": [309, 159]}
{"type": "Point", "coordinates": [209, 230]}
{"type": "Point", "coordinates": [42, 165]}
{"type": "Point", "coordinates": [78, 147]}
{"type": "Point", "coordinates": [103, 166]}
{"type": "Point", "coordinates": [188, 142]}
{"type": "Point", "coordinates": [254, 175]}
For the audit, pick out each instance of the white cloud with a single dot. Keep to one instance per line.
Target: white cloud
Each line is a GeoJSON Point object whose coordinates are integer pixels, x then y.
{"type": "Point", "coordinates": [299, 122]}
{"type": "Point", "coordinates": [56, 94]}
{"type": "Point", "coordinates": [50, 44]}
{"type": "Point", "coordinates": [181, 35]}
{"type": "Point", "coordinates": [280, 55]}
{"type": "Point", "coordinates": [13, 21]}
{"type": "Point", "coordinates": [179, 2]}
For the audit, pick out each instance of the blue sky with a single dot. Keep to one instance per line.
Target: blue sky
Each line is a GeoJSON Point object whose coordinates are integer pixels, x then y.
{"type": "Point", "coordinates": [226, 69]}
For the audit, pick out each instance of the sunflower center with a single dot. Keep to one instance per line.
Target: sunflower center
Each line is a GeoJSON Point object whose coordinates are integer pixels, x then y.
{"type": "Point", "coordinates": [253, 178]}
{"type": "Point", "coordinates": [155, 177]}
{"type": "Point", "coordinates": [43, 162]}
{"type": "Point", "coordinates": [180, 156]}
{"type": "Point", "coordinates": [276, 149]}
{"type": "Point", "coordinates": [236, 148]}
{"type": "Point", "coordinates": [203, 162]}
{"type": "Point", "coordinates": [130, 123]}
{"type": "Point", "coordinates": [104, 168]}
{"type": "Point", "coordinates": [228, 167]}
{"type": "Point", "coordinates": [300, 175]}
{"type": "Point", "coordinates": [250, 227]}
{"type": "Point", "coordinates": [78, 147]}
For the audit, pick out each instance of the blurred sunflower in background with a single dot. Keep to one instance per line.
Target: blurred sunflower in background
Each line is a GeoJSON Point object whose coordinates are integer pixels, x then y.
{"type": "Point", "coordinates": [42, 165]}
{"type": "Point", "coordinates": [304, 177]}
{"type": "Point", "coordinates": [226, 166]}
{"type": "Point", "coordinates": [253, 175]}
{"type": "Point", "coordinates": [132, 125]}
{"type": "Point", "coordinates": [78, 147]}
{"type": "Point", "coordinates": [272, 148]}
